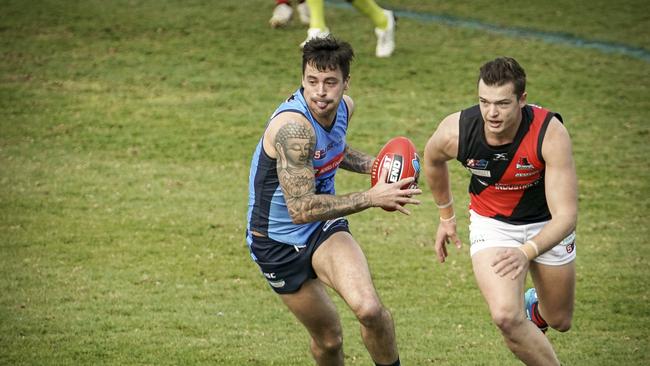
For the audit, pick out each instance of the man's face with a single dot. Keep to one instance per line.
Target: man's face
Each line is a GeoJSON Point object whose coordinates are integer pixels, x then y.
{"type": "Point", "coordinates": [501, 109]}
{"type": "Point", "coordinates": [323, 91]}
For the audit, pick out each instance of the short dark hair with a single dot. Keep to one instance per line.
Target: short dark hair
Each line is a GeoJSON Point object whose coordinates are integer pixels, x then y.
{"type": "Point", "coordinates": [503, 70]}
{"type": "Point", "coordinates": [327, 54]}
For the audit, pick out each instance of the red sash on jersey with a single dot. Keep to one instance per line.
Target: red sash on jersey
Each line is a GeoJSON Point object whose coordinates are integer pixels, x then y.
{"type": "Point", "coordinates": [521, 186]}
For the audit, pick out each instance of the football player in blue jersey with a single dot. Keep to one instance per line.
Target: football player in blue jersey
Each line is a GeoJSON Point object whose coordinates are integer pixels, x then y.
{"type": "Point", "coordinates": [297, 232]}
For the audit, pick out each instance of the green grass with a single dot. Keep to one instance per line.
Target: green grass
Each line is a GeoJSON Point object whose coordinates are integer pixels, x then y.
{"type": "Point", "coordinates": [126, 129]}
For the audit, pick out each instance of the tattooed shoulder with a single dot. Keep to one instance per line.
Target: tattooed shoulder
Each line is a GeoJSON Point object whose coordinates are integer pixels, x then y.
{"type": "Point", "coordinates": [294, 144]}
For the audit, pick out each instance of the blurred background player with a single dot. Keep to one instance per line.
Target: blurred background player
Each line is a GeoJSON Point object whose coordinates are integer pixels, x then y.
{"type": "Point", "coordinates": [384, 21]}
{"type": "Point", "coordinates": [283, 12]}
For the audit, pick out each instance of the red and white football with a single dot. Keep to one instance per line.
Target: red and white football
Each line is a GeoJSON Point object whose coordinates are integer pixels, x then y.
{"type": "Point", "coordinates": [401, 159]}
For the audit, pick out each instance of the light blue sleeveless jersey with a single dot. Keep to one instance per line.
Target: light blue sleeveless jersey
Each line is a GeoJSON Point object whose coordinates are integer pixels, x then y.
{"type": "Point", "coordinates": [267, 209]}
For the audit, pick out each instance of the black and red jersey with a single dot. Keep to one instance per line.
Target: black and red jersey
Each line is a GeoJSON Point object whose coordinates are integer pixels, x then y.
{"type": "Point", "coordinates": [507, 181]}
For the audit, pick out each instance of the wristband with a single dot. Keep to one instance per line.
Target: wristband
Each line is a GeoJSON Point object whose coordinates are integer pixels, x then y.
{"type": "Point", "coordinates": [528, 252]}
{"type": "Point", "coordinates": [523, 251]}
{"type": "Point", "coordinates": [451, 202]}
{"type": "Point", "coordinates": [452, 218]}
{"type": "Point", "coordinates": [534, 245]}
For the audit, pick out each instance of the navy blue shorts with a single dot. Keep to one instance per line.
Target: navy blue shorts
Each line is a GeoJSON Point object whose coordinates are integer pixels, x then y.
{"type": "Point", "coordinates": [286, 267]}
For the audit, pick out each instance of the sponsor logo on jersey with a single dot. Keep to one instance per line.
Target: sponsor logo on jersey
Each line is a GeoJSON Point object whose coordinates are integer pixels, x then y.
{"type": "Point", "coordinates": [330, 165]}
{"type": "Point", "coordinates": [523, 164]}
{"type": "Point", "coordinates": [515, 187]}
{"type": "Point", "coordinates": [480, 173]}
{"type": "Point", "coordinates": [477, 163]}
{"type": "Point", "coordinates": [320, 154]}
{"type": "Point", "coordinates": [527, 174]}
{"type": "Point", "coordinates": [500, 157]}
{"type": "Point", "coordinates": [478, 167]}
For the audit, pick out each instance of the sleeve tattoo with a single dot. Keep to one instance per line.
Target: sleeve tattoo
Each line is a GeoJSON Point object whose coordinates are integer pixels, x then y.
{"type": "Point", "coordinates": [357, 161]}
{"type": "Point", "coordinates": [295, 143]}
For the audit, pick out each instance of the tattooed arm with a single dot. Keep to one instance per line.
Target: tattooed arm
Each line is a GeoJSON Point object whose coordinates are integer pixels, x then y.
{"type": "Point", "coordinates": [294, 142]}
{"type": "Point", "coordinates": [356, 161]}
{"type": "Point", "coordinates": [294, 146]}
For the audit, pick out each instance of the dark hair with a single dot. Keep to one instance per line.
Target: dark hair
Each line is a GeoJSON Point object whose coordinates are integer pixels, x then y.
{"type": "Point", "coordinates": [327, 54]}
{"type": "Point", "coordinates": [503, 70]}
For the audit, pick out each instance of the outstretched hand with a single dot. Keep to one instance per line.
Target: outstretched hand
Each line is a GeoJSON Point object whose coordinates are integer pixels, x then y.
{"type": "Point", "coordinates": [391, 196]}
{"type": "Point", "coordinates": [445, 235]}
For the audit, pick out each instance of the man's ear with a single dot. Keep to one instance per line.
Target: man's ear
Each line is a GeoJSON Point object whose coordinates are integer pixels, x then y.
{"type": "Point", "coordinates": [522, 99]}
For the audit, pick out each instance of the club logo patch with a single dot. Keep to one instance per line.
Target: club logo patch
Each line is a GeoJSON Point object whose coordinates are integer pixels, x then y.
{"type": "Point", "coordinates": [570, 247]}
{"type": "Point", "coordinates": [523, 164]}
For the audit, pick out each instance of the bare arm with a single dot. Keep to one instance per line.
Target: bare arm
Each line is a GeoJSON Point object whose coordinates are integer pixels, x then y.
{"type": "Point", "coordinates": [562, 199]}
{"type": "Point", "coordinates": [294, 142]}
{"type": "Point", "coordinates": [441, 147]}
{"type": "Point", "coordinates": [356, 161]}
{"type": "Point", "coordinates": [561, 187]}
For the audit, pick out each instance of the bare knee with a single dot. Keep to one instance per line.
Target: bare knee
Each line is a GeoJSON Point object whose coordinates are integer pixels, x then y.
{"type": "Point", "coordinates": [507, 321]}
{"type": "Point", "coordinates": [371, 314]}
{"type": "Point", "coordinates": [328, 344]}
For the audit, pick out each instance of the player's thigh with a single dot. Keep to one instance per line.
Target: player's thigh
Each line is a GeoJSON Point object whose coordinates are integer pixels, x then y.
{"type": "Point", "coordinates": [503, 294]}
{"type": "Point", "coordinates": [555, 287]}
{"type": "Point", "coordinates": [340, 263]}
{"type": "Point", "coordinates": [314, 309]}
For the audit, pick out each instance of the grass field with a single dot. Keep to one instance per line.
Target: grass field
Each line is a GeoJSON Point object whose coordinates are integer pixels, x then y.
{"type": "Point", "coordinates": [126, 129]}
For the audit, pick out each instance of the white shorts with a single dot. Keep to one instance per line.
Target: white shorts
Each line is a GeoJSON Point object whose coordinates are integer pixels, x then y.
{"type": "Point", "coordinates": [485, 232]}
